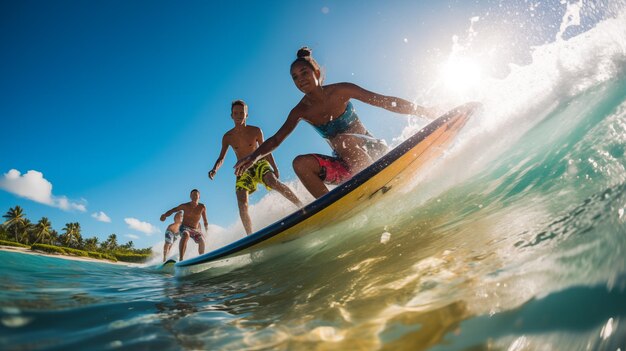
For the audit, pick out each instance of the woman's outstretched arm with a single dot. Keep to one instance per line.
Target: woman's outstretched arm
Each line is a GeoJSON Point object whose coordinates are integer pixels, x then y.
{"type": "Point", "coordinates": [271, 143]}
{"type": "Point", "coordinates": [391, 103]}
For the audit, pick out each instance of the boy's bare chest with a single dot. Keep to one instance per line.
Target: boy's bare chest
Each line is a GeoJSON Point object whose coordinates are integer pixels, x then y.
{"type": "Point", "coordinates": [243, 140]}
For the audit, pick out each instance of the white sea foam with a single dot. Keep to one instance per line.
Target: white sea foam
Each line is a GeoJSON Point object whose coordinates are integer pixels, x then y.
{"type": "Point", "coordinates": [559, 71]}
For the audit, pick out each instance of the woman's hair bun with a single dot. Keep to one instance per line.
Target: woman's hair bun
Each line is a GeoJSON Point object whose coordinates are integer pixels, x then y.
{"type": "Point", "coordinates": [304, 52]}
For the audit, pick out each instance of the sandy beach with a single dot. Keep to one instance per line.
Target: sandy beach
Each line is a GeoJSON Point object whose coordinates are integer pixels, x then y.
{"type": "Point", "coordinates": [73, 258]}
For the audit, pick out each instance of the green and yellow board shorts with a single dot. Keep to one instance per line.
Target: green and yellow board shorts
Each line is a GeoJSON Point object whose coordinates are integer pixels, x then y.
{"type": "Point", "coordinates": [253, 176]}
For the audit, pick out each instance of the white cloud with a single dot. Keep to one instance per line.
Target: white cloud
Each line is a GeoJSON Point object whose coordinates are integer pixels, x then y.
{"type": "Point", "coordinates": [64, 203]}
{"type": "Point", "coordinates": [33, 186]}
{"type": "Point", "coordinates": [101, 216]}
{"type": "Point", "coordinates": [132, 236]}
{"type": "Point", "coordinates": [144, 227]}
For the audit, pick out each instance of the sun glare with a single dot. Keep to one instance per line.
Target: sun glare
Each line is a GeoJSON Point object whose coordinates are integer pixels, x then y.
{"type": "Point", "coordinates": [460, 74]}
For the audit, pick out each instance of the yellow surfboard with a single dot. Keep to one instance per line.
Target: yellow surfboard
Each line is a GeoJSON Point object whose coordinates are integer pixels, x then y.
{"type": "Point", "coordinates": [387, 174]}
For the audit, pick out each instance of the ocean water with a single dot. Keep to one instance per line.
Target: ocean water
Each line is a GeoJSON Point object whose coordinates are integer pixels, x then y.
{"type": "Point", "coordinates": [514, 240]}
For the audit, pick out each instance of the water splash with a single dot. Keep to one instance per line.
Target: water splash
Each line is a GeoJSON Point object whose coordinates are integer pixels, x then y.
{"type": "Point", "coordinates": [571, 17]}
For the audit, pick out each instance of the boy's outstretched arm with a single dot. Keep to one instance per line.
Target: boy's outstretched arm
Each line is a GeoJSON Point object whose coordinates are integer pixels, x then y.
{"type": "Point", "coordinates": [169, 213]}
{"type": "Point", "coordinates": [206, 222]}
{"type": "Point", "coordinates": [220, 158]}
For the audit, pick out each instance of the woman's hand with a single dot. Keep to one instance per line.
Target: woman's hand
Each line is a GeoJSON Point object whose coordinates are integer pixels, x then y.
{"type": "Point", "coordinates": [473, 105]}
{"type": "Point", "coordinates": [433, 112]}
{"type": "Point", "coordinates": [469, 107]}
{"type": "Point", "coordinates": [242, 165]}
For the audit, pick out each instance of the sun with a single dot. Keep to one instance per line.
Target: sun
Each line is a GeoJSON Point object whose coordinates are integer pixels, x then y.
{"type": "Point", "coordinates": [461, 74]}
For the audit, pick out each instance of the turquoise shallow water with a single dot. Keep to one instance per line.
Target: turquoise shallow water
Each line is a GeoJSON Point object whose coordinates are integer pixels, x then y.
{"type": "Point", "coordinates": [516, 240]}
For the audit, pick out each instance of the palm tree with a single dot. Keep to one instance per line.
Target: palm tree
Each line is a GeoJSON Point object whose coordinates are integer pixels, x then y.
{"type": "Point", "coordinates": [78, 242]}
{"type": "Point", "coordinates": [42, 231]}
{"type": "Point", "coordinates": [66, 237]}
{"type": "Point", "coordinates": [110, 244]}
{"type": "Point", "coordinates": [54, 238]}
{"type": "Point", "coordinates": [72, 234]}
{"type": "Point", "coordinates": [4, 234]}
{"type": "Point", "coordinates": [25, 228]}
{"type": "Point", "coordinates": [91, 244]}
{"type": "Point", "coordinates": [14, 219]}
{"type": "Point", "coordinates": [128, 246]}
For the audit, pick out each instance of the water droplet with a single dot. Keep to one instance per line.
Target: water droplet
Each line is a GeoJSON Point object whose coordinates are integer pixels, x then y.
{"type": "Point", "coordinates": [115, 344]}
{"type": "Point", "coordinates": [607, 330]}
{"type": "Point", "coordinates": [384, 238]}
{"type": "Point", "coordinates": [15, 321]}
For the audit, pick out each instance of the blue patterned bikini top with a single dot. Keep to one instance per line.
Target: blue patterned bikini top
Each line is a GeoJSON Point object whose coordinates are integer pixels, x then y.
{"type": "Point", "coordinates": [339, 124]}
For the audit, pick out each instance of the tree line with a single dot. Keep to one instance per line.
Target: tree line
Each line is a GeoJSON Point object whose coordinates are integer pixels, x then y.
{"type": "Point", "coordinates": [18, 228]}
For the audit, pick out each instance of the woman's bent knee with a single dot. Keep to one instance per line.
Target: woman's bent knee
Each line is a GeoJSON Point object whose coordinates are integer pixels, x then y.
{"type": "Point", "coordinates": [305, 163]}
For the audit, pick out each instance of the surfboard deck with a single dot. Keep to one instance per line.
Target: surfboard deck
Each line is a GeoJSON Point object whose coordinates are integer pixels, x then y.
{"type": "Point", "coordinates": [386, 174]}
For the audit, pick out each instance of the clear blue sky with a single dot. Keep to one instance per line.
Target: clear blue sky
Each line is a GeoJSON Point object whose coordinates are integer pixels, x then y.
{"type": "Point", "coordinates": [121, 105]}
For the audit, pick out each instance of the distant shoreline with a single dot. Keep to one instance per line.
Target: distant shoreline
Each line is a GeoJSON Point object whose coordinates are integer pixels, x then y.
{"type": "Point", "coordinates": [28, 251]}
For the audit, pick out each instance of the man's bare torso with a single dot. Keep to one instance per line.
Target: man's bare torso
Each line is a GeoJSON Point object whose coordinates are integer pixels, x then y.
{"type": "Point", "coordinates": [193, 212]}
